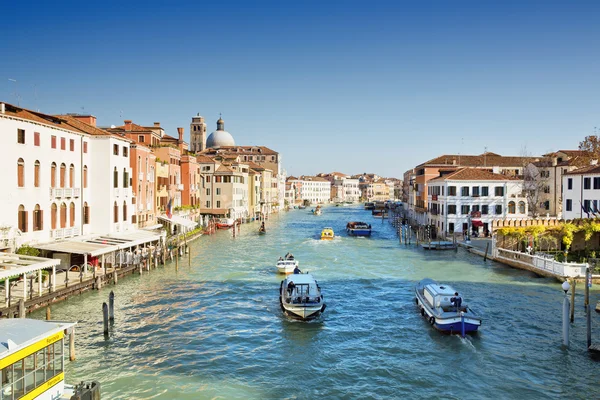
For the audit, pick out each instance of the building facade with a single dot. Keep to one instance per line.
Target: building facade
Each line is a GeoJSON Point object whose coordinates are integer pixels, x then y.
{"type": "Point", "coordinates": [581, 193]}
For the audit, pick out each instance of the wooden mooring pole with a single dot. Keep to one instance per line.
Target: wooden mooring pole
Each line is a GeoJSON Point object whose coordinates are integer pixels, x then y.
{"type": "Point", "coordinates": [487, 247]}
{"type": "Point", "coordinates": [111, 306]}
{"type": "Point", "coordinates": [573, 285]}
{"type": "Point", "coordinates": [48, 314]}
{"type": "Point", "coordinates": [72, 345]}
{"type": "Point", "coordinates": [21, 308]}
{"type": "Point", "coordinates": [586, 301]}
{"type": "Point", "coordinates": [105, 318]}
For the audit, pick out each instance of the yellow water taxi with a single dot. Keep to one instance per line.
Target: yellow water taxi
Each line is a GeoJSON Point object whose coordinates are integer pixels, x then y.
{"type": "Point", "coordinates": [327, 234]}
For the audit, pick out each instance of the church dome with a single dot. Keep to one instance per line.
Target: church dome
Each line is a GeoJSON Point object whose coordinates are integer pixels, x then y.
{"type": "Point", "coordinates": [220, 137]}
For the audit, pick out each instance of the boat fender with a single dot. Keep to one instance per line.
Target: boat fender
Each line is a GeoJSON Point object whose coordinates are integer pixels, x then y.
{"type": "Point", "coordinates": [416, 301]}
{"type": "Point", "coordinates": [422, 311]}
{"type": "Point", "coordinates": [432, 320]}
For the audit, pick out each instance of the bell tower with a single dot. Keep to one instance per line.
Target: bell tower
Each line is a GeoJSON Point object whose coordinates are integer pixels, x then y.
{"type": "Point", "coordinates": [197, 134]}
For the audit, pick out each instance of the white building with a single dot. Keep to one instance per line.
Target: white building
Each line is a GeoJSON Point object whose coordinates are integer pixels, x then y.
{"type": "Point", "coordinates": [58, 179]}
{"type": "Point", "coordinates": [346, 190]}
{"type": "Point", "coordinates": [312, 188]}
{"type": "Point", "coordinates": [581, 193]}
{"type": "Point", "coordinates": [473, 197]}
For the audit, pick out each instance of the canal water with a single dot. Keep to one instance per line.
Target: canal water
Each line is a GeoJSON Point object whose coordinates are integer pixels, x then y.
{"type": "Point", "coordinates": [215, 329]}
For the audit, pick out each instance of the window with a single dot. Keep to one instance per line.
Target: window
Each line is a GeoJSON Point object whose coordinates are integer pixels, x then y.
{"type": "Point", "coordinates": [569, 205]}
{"type": "Point", "coordinates": [53, 215]}
{"type": "Point", "coordinates": [464, 191]}
{"type": "Point", "coordinates": [22, 218]}
{"type": "Point", "coordinates": [116, 178]}
{"type": "Point", "coordinates": [587, 183]}
{"type": "Point", "coordinates": [124, 211]}
{"type": "Point", "coordinates": [208, 204]}
{"type": "Point", "coordinates": [141, 138]}
{"type": "Point", "coordinates": [53, 175]}
{"type": "Point", "coordinates": [570, 183]}
{"type": "Point", "coordinates": [475, 208]}
{"type": "Point", "coordinates": [115, 149]}
{"type": "Point", "coordinates": [218, 204]}
{"type": "Point", "coordinates": [125, 178]}
{"type": "Point", "coordinates": [511, 207]}
{"type": "Point", "coordinates": [451, 190]}
{"type": "Point", "coordinates": [36, 174]}
{"type": "Point", "coordinates": [485, 209]}
{"type": "Point", "coordinates": [21, 136]}
{"type": "Point", "coordinates": [451, 227]}
{"type": "Point", "coordinates": [597, 183]}
{"type": "Point", "coordinates": [521, 207]}
{"type": "Point", "coordinates": [63, 172]}
{"type": "Point", "coordinates": [71, 175]}
{"type": "Point", "coordinates": [218, 192]}
{"type": "Point", "coordinates": [208, 191]}
{"type": "Point", "coordinates": [547, 205]}
{"type": "Point", "coordinates": [53, 141]}
{"type": "Point", "coordinates": [72, 214]}
{"type": "Point", "coordinates": [86, 213]}
{"type": "Point", "coordinates": [63, 143]}
{"type": "Point", "coordinates": [464, 209]}
{"type": "Point", "coordinates": [36, 139]}
{"type": "Point", "coordinates": [499, 191]}
{"type": "Point", "coordinates": [586, 206]}
{"type": "Point", "coordinates": [451, 209]}
{"type": "Point", "coordinates": [20, 172]}
{"type": "Point", "coordinates": [475, 191]}
{"type": "Point", "coordinates": [85, 176]}
{"type": "Point", "coordinates": [218, 179]}
{"type": "Point", "coordinates": [485, 191]}
{"type": "Point", "coordinates": [72, 144]}
{"type": "Point", "coordinates": [115, 212]}
{"type": "Point", "coordinates": [63, 215]}
{"type": "Point", "coordinates": [546, 189]}
{"type": "Point", "coordinates": [85, 147]}
{"type": "Point", "coordinates": [498, 209]}
{"type": "Point", "coordinates": [125, 151]}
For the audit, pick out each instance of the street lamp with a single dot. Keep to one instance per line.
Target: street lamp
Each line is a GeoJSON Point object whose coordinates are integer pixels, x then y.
{"type": "Point", "coordinates": [566, 306]}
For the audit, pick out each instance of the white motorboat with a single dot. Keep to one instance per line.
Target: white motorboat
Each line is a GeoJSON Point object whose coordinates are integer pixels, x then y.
{"type": "Point", "coordinates": [287, 265]}
{"type": "Point", "coordinates": [300, 296]}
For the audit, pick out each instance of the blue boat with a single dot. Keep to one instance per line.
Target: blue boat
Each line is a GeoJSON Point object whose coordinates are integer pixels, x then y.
{"type": "Point", "coordinates": [444, 309]}
{"type": "Point", "coordinates": [356, 228]}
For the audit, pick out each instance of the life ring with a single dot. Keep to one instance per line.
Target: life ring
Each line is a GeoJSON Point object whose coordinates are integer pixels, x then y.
{"type": "Point", "coordinates": [422, 311]}
{"type": "Point", "coordinates": [432, 320]}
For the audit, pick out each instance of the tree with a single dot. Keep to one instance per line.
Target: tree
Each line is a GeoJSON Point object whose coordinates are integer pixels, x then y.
{"type": "Point", "coordinates": [591, 150]}
{"type": "Point", "coordinates": [536, 187]}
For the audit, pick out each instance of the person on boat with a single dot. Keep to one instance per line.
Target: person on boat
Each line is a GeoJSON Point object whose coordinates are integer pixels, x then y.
{"type": "Point", "coordinates": [280, 258]}
{"type": "Point", "coordinates": [456, 301]}
{"type": "Point", "coordinates": [262, 227]}
{"type": "Point", "coordinates": [291, 286]}
{"type": "Point", "coordinates": [297, 270]}
{"type": "Point", "coordinates": [287, 255]}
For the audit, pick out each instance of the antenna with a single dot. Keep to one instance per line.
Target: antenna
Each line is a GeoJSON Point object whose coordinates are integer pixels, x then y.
{"type": "Point", "coordinates": [16, 92]}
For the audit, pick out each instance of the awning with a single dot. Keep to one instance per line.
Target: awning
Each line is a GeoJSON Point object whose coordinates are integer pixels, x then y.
{"type": "Point", "coordinates": [152, 227]}
{"type": "Point", "coordinates": [12, 265]}
{"type": "Point", "coordinates": [175, 219]}
{"type": "Point", "coordinates": [476, 223]}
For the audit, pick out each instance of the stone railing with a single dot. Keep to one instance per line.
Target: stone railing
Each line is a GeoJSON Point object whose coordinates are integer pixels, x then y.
{"type": "Point", "coordinates": [545, 264]}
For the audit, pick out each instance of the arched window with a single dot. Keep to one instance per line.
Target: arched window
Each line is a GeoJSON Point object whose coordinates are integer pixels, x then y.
{"type": "Point", "coordinates": [116, 178]}
{"type": "Point", "coordinates": [63, 215]}
{"type": "Point", "coordinates": [124, 211]}
{"type": "Point", "coordinates": [85, 176]}
{"type": "Point", "coordinates": [125, 178]}
{"type": "Point", "coordinates": [86, 213]}
{"type": "Point", "coordinates": [53, 175]}
{"type": "Point", "coordinates": [71, 175]}
{"type": "Point", "coordinates": [521, 207]}
{"type": "Point", "coordinates": [72, 214]}
{"type": "Point", "coordinates": [63, 172]}
{"type": "Point", "coordinates": [22, 218]}
{"type": "Point", "coordinates": [116, 212]}
{"type": "Point", "coordinates": [511, 207]}
{"type": "Point", "coordinates": [20, 173]}
{"type": "Point", "coordinates": [53, 215]}
{"type": "Point", "coordinates": [36, 174]}
{"type": "Point", "coordinates": [38, 218]}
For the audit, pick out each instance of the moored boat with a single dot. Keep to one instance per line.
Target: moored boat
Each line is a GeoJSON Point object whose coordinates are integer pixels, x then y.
{"type": "Point", "coordinates": [287, 264]}
{"type": "Point", "coordinates": [300, 296]}
{"type": "Point", "coordinates": [327, 234]}
{"type": "Point", "coordinates": [369, 205]}
{"type": "Point", "coordinates": [224, 223]}
{"type": "Point", "coordinates": [356, 228]}
{"type": "Point", "coordinates": [317, 211]}
{"type": "Point", "coordinates": [444, 309]}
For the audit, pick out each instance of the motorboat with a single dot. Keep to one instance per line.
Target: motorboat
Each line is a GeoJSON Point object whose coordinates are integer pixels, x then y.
{"type": "Point", "coordinates": [317, 211]}
{"type": "Point", "coordinates": [301, 207]}
{"type": "Point", "coordinates": [300, 296]}
{"type": "Point", "coordinates": [444, 309]}
{"type": "Point", "coordinates": [224, 223]}
{"type": "Point", "coordinates": [369, 205]}
{"type": "Point", "coordinates": [287, 264]}
{"type": "Point", "coordinates": [439, 245]}
{"type": "Point", "coordinates": [327, 234]}
{"type": "Point", "coordinates": [356, 228]}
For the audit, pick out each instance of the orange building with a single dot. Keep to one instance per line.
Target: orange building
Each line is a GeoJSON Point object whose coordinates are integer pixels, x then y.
{"type": "Point", "coordinates": [143, 165]}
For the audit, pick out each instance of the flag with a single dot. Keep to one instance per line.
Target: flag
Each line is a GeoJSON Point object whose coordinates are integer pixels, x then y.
{"type": "Point", "coordinates": [595, 210]}
{"type": "Point", "coordinates": [169, 214]}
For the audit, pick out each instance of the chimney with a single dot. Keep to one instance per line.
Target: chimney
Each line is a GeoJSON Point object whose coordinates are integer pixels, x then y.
{"type": "Point", "coordinates": [88, 119]}
{"type": "Point", "coordinates": [2, 108]}
{"type": "Point", "coordinates": [180, 142]}
{"type": "Point", "coordinates": [127, 124]}
{"type": "Point", "coordinates": [157, 124]}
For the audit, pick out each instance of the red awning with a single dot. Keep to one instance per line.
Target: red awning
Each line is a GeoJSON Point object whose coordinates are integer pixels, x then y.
{"type": "Point", "coordinates": [476, 223]}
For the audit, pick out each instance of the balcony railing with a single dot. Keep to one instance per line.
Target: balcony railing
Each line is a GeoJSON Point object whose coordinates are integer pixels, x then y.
{"type": "Point", "coordinates": [141, 176]}
{"type": "Point", "coordinates": [57, 233]}
{"type": "Point", "coordinates": [151, 177]}
{"type": "Point", "coordinates": [116, 192]}
{"type": "Point", "coordinates": [149, 206]}
{"type": "Point", "coordinates": [76, 192]}
{"type": "Point", "coordinates": [68, 192]}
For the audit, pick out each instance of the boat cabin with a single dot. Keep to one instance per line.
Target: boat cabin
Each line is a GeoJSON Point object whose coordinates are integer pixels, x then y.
{"type": "Point", "coordinates": [32, 358]}
{"type": "Point", "coordinates": [439, 295]}
{"type": "Point", "coordinates": [304, 290]}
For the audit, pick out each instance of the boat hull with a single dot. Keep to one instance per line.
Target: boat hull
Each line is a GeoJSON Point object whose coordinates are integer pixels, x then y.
{"type": "Point", "coordinates": [304, 313]}
{"type": "Point", "coordinates": [359, 232]}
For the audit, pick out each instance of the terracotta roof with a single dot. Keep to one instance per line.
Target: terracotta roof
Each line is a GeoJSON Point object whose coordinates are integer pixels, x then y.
{"type": "Point", "coordinates": [291, 178]}
{"type": "Point", "coordinates": [35, 116]}
{"type": "Point", "coordinates": [473, 174]}
{"type": "Point", "coordinates": [255, 150]}
{"type": "Point", "coordinates": [486, 159]}
{"type": "Point", "coordinates": [204, 159]}
{"type": "Point", "coordinates": [134, 128]}
{"type": "Point", "coordinates": [590, 169]}
{"type": "Point", "coordinates": [313, 179]}
{"type": "Point", "coordinates": [223, 168]}
{"type": "Point", "coordinates": [255, 166]}
{"type": "Point", "coordinates": [89, 129]}
{"type": "Point", "coordinates": [572, 153]}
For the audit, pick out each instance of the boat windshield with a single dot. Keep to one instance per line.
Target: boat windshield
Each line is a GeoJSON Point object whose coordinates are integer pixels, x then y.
{"type": "Point", "coordinates": [304, 293]}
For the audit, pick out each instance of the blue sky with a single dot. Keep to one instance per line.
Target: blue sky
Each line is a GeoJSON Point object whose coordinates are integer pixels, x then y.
{"type": "Point", "coordinates": [346, 86]}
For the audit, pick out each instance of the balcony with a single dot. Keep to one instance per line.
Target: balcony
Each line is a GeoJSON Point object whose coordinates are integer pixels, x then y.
{"type": "Point", "coordinates": [57, 233]}
{"type": "Point", "coordinates": [141, 176]}
{"type": "Point", "coordinates": [116, 192]}
{"type": "Point", "coordinates": [149, 206]}
{"type": "Point", "coordinates": [180, 186]}
{"type": "Point", "coordinates": [151, 177]}
{"type": "Point", "coordinates": [68, 192]}
{"type": "Point", "coordinates": [76, 192]}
